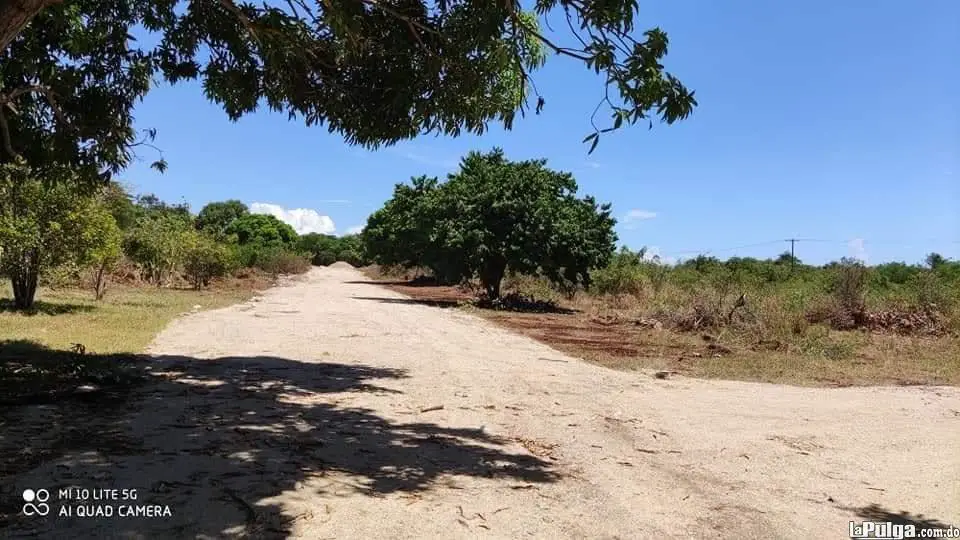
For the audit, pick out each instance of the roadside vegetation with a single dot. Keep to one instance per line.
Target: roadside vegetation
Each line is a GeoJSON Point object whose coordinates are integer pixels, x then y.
{"type": "Point", "coordinates": [92, 271]}
{"type": "Point", "coordinates": [512, 236]}
{"type": "Point", "coordinates": [73, 72]}
{"type": "Point", "coordinates": [545, 262]}
{"type": "Point", "coordinates": [493, 216]}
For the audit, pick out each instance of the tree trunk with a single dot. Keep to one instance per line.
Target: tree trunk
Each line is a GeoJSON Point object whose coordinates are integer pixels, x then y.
{"type": "Point", "coordinates": [100, 281]}
{"type": "Point", "coordinates": [15, 15]}
{"type": "Point", "coordinates": [491, 275]}
{"type": "Point", "coordinates": [24, 288]}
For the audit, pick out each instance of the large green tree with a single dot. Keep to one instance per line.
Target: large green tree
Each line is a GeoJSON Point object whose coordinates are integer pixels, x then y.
{"type": "Point", "coordinates": [46, 224]}
{"type": "Point", "coordinates": [215, 217]}
{"type": "Point", "coordinates": [499, 214]}
{"type": "Point", "coordinates": [118, 201]}
{"type": "Point", "coordinates": [262, 229]}
{"type": "Point", "coordinates": [495, 215]}
{"type": "Point", "coordinates": [404, 232]}
{"type": "Point", "coordinates": [374, 71]}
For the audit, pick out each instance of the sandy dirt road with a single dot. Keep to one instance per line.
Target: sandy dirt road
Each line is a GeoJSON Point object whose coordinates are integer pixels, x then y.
{"type": "Point", "coordinates": [333, 408]}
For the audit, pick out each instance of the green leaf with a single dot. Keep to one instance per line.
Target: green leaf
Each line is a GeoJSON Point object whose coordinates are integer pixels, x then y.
{"type": "Point", "coordinates": [476, 61]}
{"type": "Point", "coordinates": [160, 165]}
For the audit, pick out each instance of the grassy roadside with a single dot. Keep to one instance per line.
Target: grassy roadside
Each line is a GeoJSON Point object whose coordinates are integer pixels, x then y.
{"type": "Point", "coordinates": [617, 335]}
{"type": "Point", "coordinates": [39, 359]}
{"type": "Point", "coordinates": [124, 322]}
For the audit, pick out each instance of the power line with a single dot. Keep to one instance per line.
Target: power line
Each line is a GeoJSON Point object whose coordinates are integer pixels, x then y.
{"type": "Point", "coordinates": [794, 241]}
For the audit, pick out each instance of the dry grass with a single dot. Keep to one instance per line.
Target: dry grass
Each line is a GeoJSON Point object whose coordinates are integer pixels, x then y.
{"type": "Point", "coordinates": [772, 346]}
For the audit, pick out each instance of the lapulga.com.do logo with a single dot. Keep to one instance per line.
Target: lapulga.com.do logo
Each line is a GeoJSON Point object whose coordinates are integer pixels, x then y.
{"type": "Point", "coordinates": [35, 502]}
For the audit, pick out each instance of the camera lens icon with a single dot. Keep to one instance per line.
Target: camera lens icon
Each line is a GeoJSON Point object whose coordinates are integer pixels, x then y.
{"type": "Point", "coordinates": [40, 496]}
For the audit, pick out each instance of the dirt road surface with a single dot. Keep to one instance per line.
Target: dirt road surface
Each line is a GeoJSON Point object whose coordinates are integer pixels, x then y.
{"type": "Point", "coordinates": [333, 408]}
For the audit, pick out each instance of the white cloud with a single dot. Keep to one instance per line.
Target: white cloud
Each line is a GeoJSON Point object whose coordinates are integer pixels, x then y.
{"type": "Point", "coordinates": [357, 229]}
{"type": "Point", "coordinates": [637, 215]}
{"type": "Point", "coordinates": [593, 165]}
{"type": "Point", "coordinates": [858, 249]}
{"type": "Point", "coordinates": [303, 220]}
{"type": "Point", "coordinates": [631, 218]}
{"type": "Point", "coordinates": [653, 255]}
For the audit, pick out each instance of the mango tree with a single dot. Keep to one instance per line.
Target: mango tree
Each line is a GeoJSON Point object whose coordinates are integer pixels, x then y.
{"type": "Point", "coordinates": [44, 224]}
{"type": "Point", "coordinates": [493, 216]}
{"type": "Point", "coordinates": [375, 72]}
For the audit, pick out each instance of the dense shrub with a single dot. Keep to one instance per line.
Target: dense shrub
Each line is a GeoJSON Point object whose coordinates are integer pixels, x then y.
{"type": "Point", "coordinates": [536, 287]}
{"type": "Point", "coordinates": [624, 274]}
{"type": "Point", "coordinates": [775, 300]}
{"type": "Point", "coordinates": [157, 244]}
{"type": "Point", "coordinates": [206, 259]}
{"type": "Point", "coordinates": [324, 258]}
{"type": "Point", "coordinates": [618, 279]}
{"type": "Point", "coordinates": [895, 273]}
{"type": "Point", "coordinates": [931, 292]}
{"type": "Point", "coordinates": [350, 256]}
{"type": "Point", "coordinates": [325, 249]}
{"type": "Point", "coordinates": [279, 261]}
{"type": "Point", "coordinates": [848, 287]}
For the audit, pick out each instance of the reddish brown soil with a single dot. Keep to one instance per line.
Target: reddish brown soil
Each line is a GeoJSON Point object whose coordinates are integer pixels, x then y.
{"type": "Point", "coordinates": [577, 333]}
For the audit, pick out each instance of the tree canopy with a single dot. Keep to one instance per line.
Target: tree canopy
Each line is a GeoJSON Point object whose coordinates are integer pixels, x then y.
{"type": "Point", "coordinates": [403, 232]}
{"type": "Point", "coordinates": [215, 217]}
{"type": "Point", "coordinates": [374, 71]}
{"type": "Point", "coordinates": [491, 216]}
{"type": "Point", "coordinates": [43, 225]}
{"type": "Point", "coordinates": [158, 242]}
{"type": "Point", "coordinates": [262, 229]}
{"type": "Point", "coordinates": [325, 249]}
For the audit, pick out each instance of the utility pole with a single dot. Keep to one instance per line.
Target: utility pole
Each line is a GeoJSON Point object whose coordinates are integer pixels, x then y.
{"type": "Point", "coordinates": [793, 258]}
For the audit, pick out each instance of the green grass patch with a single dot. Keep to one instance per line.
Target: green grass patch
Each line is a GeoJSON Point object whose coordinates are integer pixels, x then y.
{"type": "Point", "coordinates": [69, 343]}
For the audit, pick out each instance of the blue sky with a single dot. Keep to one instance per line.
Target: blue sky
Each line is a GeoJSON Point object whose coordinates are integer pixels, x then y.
{"type": "Point", "coordinates": [831, 121]}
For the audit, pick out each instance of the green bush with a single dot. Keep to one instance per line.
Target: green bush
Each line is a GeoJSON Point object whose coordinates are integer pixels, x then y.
{"type": "Point", "coordinates": [895, 273]}
{"type": "Point", "coordinates": [258, 254]}
{"type": "Point", "coordinates": [929, 291]}
{"type": "Point", "coordinates": [281, 261]}
{"type": "Point", "coordinates": [324, 258]}
{"type": "Point", "coordinates": [349, 256]}
{"type": "Point", "coordinates": [63, 276]}
{"type": "Point", "coordinates": [206, 259]}
{"type": "Point", "coordinates": [849, 286]}
{"type": "Point", "coordinates": [623, 275]}
{"type": "Point", "coordinates": [532, 287]}
{"type": "Point", "coordinates": [157, 244]}
{"type": "Point", "coordinates": [321, 248]}
{"type": "Point", "coordinates": [618, 279]}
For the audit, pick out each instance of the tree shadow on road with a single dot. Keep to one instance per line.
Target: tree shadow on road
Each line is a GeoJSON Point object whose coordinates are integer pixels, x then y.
{"type": "Point", "coordinates": [215, 439]}
{"type": "Point", "coordinates": [875, 512]}
{"type": "Point", "coordinates": [421, 282]}
{"type": "Point", "coordinates": [432, 302]}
